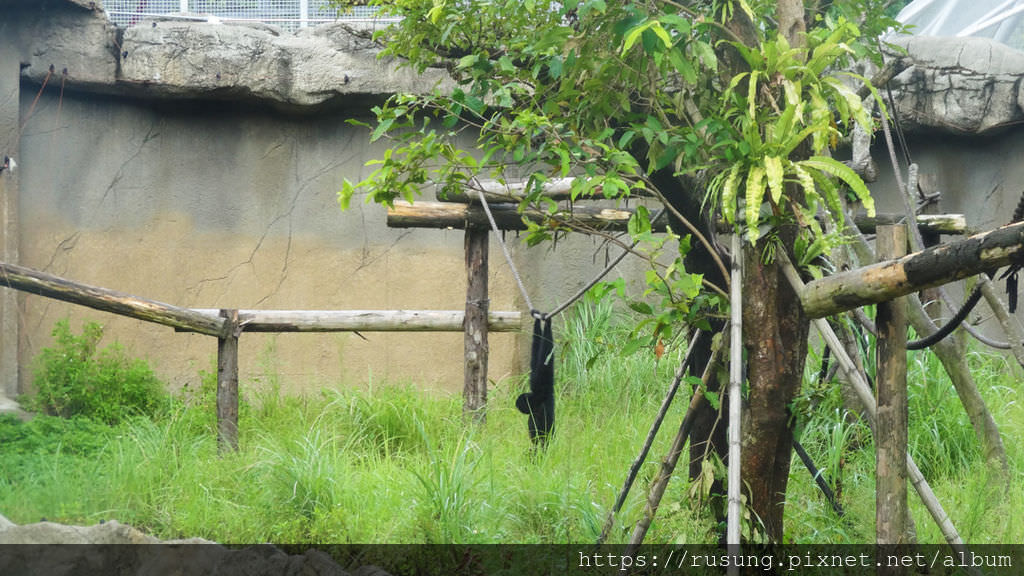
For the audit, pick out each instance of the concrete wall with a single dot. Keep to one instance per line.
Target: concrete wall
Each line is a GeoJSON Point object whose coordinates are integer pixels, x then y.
{"type": "Point", "coordinates": [218, 199]}
{"type": "Point", "coordinates": [204, 205]}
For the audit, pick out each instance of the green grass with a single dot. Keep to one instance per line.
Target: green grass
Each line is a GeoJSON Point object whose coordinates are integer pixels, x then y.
{"type": "Point", "coordinates": [397, 465]}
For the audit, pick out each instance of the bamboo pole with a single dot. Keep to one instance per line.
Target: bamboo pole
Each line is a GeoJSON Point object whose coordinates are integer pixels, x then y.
{"type": "Point", "coordinates": [925, 269]}
{"type": "Point", "coordinates": [227, 384]}
{"type": "Point", "coordinates": [891, 405]}
{"type": "Point", "coordinates": [474, 390]}
{"type": "Point", "coordinates": [366, 320]}
{"type": "Point", "coordinates": [735, 483]}
{"type": "Point", "coordinates": [43, 284]}
{"type": "Point", "coordinates": [863, 391]}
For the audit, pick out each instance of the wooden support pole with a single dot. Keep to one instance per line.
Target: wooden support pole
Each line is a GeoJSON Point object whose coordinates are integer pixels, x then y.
{"type": "Point", "coordinates": [43, 284]}
{"type": "Point", "coordinates": [863, 390]}
{"type": "Point", "coordinates": [227, 384]}
{"type": "Point", "coordinates": [506, 216]}
{"type": "Point", "coordinates": [891, 405]}
{"type": "Point", "coordinates": [930, 267]}
{"type": "Point", "coordinates": [366, 320]}
{"type": "Point", "coordinates": [474, 389]}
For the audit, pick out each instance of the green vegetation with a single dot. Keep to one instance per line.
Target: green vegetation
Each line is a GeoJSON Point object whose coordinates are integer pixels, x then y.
{"type": "Point", "coordinates": [393, 464]}
{"type": "Point", "coordinates": [75, 378]}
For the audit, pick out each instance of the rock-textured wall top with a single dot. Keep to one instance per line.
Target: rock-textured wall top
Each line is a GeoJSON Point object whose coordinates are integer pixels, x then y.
{"type": "Point", "coordinates": [174, 58]}
{"type": "Point", "coordinates": [958, 85]}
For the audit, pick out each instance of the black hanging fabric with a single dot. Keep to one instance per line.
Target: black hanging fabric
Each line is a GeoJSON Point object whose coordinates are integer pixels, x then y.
{"type": "Point", "coordinates": [539, 403]}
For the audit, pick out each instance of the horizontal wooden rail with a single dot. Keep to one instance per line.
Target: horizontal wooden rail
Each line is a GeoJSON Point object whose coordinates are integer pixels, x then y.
{"type": "Point", "coordinates": [43, 284]}
{"type": "Point", "coordinates": [497, 192]}
{"type": "Point", "coordinates": [925, 269]}
{"type": "Point", "coordinates": [364, 320]}
{"type": "Point", "coordinates": [507, 216]}
{"type": "Point", "coordinates": [934, 223]}
{"type": "Point", "coordinates": [926, 223]}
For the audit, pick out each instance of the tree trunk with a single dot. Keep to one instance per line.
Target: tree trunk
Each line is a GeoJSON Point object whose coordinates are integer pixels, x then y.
{"type": "Point", "coordinates": [775, 336]}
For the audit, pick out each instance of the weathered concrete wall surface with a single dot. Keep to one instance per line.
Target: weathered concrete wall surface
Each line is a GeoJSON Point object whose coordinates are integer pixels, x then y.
{"type": "Point", "coordinates": [198, 164]}
{"type": "Point", "coordinates": [201, 169]}
{"type": "Point", "coordinates": [202, 205]}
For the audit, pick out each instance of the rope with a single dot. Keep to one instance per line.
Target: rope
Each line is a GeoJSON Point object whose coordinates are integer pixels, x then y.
{"type": "Point", "coordinates": [508, 257]}
{"type": "Point", "coordinates": [519, 281]}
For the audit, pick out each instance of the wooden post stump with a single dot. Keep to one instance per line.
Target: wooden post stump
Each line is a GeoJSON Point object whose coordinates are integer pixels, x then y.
{"type": "Point", "coordinates": [477, 305]}
{"type": "Point", "coordinates": [891, 404]}
{"type": "Point", "coordinates": [227, 384]}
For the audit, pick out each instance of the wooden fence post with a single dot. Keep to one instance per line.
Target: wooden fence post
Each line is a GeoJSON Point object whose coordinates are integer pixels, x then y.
{"type": "Point", "coordinates": [227, 384]}
{"type": "Point", "coordinates": [475, 386]}
{"type": "Point", "coordinates": [891, 421]}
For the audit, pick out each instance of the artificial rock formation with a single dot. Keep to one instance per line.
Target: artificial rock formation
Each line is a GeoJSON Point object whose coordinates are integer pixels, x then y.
{"type": "Point", "coordinates": [105, 555]}
{"type": "Point", "coordinates": [957, 85]}
{"type": "Point", "coordinates": [73, 42]}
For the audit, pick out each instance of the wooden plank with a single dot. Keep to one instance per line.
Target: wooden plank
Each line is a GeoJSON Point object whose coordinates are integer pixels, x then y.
{"type": "Point", "coordinates": [43, 284]}
{"type": "Point", "coordinates": [927, 223]}
{"type": "Point", "coordinates": [366, 320]}
{"type": "Point", "coordinates": [506, 216]}
{"type": "Point", "coordinates": [474, 391]}
{"type": "Point", "coordinates": [925, 269]}
{"type": "Point", "coordinates": [227, 384]}
{"type": "Point", "coordinates": [498, 192]}
{"type": "Point", "coordinates": [891, 406]}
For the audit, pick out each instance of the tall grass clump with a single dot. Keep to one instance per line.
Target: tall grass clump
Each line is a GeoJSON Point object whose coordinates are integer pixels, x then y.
{"type": "Point", "coordinates": [75, 377]}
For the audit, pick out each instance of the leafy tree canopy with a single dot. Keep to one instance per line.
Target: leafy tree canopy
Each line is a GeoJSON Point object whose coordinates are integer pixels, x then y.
{"type": "Point", "coordinates": [614, 92]}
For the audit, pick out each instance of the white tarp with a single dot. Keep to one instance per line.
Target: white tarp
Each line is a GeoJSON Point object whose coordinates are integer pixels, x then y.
{"type": "Point", "coordinates": [1002, 20]}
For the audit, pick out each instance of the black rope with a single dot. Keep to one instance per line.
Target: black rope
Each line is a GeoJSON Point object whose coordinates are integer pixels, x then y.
{"type": "Point", "coordinates": [1011, 292]}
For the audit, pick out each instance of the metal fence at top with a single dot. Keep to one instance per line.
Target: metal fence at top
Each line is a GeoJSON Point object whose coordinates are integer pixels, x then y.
{"type": "Point", "coordinates": [288, 14]}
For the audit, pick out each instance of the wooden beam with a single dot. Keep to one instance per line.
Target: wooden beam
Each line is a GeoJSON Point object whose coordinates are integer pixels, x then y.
{"type": "Point", "coordinates": [926, 223]}
{"type": "Point", "coordinates": [498, 192]}
{"type": "Point", "coordinates": [474, 390]}
{"type": "Point", "coordinates": [43, 284]}
{"type": "Point", "coordinates": [365, 320]}
{"type": "Point", "coordinates": [931, 267]}
{"type": "Point", "coordinates": [506, 216]}
{"type": "Point", "coordinates": [891, 406]}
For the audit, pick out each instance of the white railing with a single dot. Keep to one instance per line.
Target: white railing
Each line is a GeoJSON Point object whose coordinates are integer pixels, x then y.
{"type": "Point", "coordinates": [288, 14]}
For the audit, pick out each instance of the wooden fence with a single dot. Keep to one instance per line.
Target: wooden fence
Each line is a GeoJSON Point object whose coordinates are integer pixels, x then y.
{"type": "Point", "coordinates": [227, 325]}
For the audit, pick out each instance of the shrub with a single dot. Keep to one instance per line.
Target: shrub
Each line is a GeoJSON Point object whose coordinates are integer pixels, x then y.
{"type": "Point", "coordinates": [74, 378]}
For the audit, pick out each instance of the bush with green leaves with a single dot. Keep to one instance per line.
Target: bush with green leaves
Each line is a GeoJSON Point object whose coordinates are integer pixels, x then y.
{"type": "Point", "coordinates": [75, 377]}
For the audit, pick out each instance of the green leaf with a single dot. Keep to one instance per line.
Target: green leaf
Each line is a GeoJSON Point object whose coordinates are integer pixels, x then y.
{"type": "Point", "coordinates": [640, 222]}
{"type": "Point", "coordinates": [755, 193]}
{"type": "Point", "coordinates": [641, 307]}
{"type": "Point", "coordinates": [633, 35]}
{"type": "Point", "coordinates": [847, 175]}
{"type": "Point", "coordinates": [467, 61]}
{"type": "Point", "coordinates": [662, 34]}
{"type": "Point", "coordinates": [346, 193]}
{"type": "Point", "coordinates": [729, 193]}
{"type": "Point", "coordinates": [565, 165]}
{"type": "Point", "coordinates": [773, 170]}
